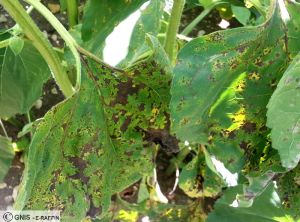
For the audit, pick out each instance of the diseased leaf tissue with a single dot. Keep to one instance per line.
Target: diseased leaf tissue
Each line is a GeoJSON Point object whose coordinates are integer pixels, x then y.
{"type": "Point", "coordinates": [222, 123]}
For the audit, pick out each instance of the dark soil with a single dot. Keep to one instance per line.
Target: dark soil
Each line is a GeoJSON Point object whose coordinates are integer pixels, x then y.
{"type": "Point", "coordinates": [10, 184]}
{"type": "Point", "coordinates": [209, 23]}
{"type": "Point", "coordinates": [7, 22]}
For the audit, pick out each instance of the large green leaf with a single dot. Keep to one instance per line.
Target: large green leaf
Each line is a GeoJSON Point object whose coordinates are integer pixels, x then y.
{"type": "Point", "coordinates": [91, 146]}
{"type": "Point", "coordinates": [266, 208]}
{"type": "Point", "coordinates": [293, 26]}
{"type": "Point", "coordinates": [222, 83]}
{"type": "Point", "coordinates": [101, 17]}
{"type": "Point", "coordinates": [284, 115]}
{"type": "Point", "coordinates": [6, 156]}
{"type": "Point", "coordinates": [21, 79]}
{"type": "Point", "coordinates": [119, 33]}
{"type": "Point", "coordinates": [148, 24]}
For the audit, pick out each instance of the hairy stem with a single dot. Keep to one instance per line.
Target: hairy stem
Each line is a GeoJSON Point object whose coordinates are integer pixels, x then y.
{"type": "Point", "coordinates": [18, 13]}
{"type": "Point", "coordinates": [174, 22]}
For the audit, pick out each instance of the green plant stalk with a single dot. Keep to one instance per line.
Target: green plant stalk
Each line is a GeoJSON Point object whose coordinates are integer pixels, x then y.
{"type": "Point", "coordinates": [72, 11]}
{"type": "Point", "coordinates": [66, 36]}
{"type": "Point", "coordinates": [177, 162]}
{"type": "Point", "coordinates": [174, 22]}
{"type": "Point", "coordinates": [70, 41]}
{"type": "Point", "coordinates": [29, 121]}
{"type": "Point", "coordinates": [198, 19]}
{"type": "Point", "coordinates": [3, 129]}
{"type": "Point", "coordinates": [4, 43]}
{"type": "Point", "coordinates": [18, 13]}
{"type": "Point", "coordinates": [96, 59]}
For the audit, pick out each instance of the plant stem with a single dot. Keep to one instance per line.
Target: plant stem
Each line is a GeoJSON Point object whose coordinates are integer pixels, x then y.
{"type": "Point", "coordinates": [174, 22]}
{"type": "Point", "coordinates": [96, 59]}
{"type": "Point", "coordinates": [176, 162]}
{"type": "Point", "coordinates": [18, 13]}
{"type": "Point", "coordinates": [72, 10]}
{"type": "Point", "coordinates": [198, 19]}
{"type": "Point", "coordinates": [29, 121]}
{"type": "Point", "coordinates": [3, 129]}
{"type": "Point", "coordinates": [70, 41]}
{"type": "Point", "coordinates": [66, 36]}
{"type": "Point", "coordinates": [4, 43]}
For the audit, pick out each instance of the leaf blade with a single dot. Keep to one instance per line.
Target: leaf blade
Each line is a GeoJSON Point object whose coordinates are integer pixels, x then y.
{"type": "Point", "coordinates": [21, 79]}
{"type": "Point", "coordinates": [283, 116]}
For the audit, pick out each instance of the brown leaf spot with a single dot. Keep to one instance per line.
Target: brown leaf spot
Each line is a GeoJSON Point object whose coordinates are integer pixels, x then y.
{"type": "Point", "coordinates": [93, 210]}
{"type": "Point", "coordinates": [244, 145]}
{"type": "Point", "coordinates": [53, 180]}
{"type": "Point", "coordinates": [232, 135]}
{"type": "Point", "coordinates": [258, 62]}
{"type": "Point", "coordinates": [80, 164]}
{"type": "Point", "coordinates": [234, 64]}
{"type": "Point", "coordinates": [241, 48]}
{"type": "Point", "coordinates": [249, 127]}
{"type": "Point", "coordinates": [125, 124]}
{"type": "Point", "coordinates": [124, 90]}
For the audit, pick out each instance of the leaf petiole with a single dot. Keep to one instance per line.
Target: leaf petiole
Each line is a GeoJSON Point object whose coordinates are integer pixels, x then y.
{"type": "Point", "coordinates": [3, 128]}
{"type": "Point", "coordinates": [173, 28]}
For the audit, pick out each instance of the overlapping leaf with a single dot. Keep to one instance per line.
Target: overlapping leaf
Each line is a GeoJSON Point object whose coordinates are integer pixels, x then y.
{"type": "Point", "coordinates": [140, 21]}
{"type": "Point", "coordinates": [7, 154]}
{"type": "Point", "coordinates": [91, 146]}
{"type": "Point", "coordinates": [21, 79]}
{"type": "Point", "coordinates": [266, 208]}
{"type": "Point", "coordinates": [283, 107]}
{"type": "Point", "coordinates": [284, 116]}
{"type": "Point", "coordinates": [222, 83]}
{"type": "Point", "coordinates": [292, 20]}
{"type": "Point", "coordinates": [100, 17]}
{"type": "Point", "coordinates": [148, 24]}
